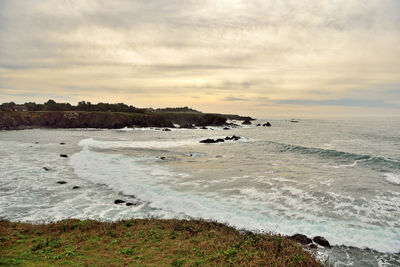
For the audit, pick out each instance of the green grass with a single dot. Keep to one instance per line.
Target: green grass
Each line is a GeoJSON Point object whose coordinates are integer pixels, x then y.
{"type": "Point", "coordinates": [144, 242]}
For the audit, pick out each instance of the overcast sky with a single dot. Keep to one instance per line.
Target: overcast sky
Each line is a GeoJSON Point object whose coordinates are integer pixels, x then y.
{"type": "Point", "coordinates": [263, 58]}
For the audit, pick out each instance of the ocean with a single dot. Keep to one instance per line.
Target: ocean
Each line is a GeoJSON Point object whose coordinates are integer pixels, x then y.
{"type": "Point", "coordinates": [339, 179]}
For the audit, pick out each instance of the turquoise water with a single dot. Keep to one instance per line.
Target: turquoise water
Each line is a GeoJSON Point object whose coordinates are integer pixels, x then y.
{"type": "Point", "coordinates": [335, 178]}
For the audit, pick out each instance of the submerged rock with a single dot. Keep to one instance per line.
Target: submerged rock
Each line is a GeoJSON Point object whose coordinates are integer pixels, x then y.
{"type": "Point", "coordinates": [321, 241]}
{"type": "Point", "coordinates": [76, 187]}
{"type": "Point", "coordinates": [119, 201]}
{"type": "Point", "coordinates": [64, 156]}
{"type": "Point", "coordinates": [61, 182]}
{"type": "Point", "coordinates": [46, 169]}
{"type": "Point", "coordinates": [62, 143]}
{"type": "Point", "coordinates": [303, 239]}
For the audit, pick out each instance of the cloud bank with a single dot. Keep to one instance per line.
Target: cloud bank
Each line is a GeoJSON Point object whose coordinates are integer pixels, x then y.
{"type": "Point", "coordinates": [257, 57]}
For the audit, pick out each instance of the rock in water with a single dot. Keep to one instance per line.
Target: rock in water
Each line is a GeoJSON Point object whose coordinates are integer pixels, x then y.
{"type": "Point", "coordinates": [64, 156]}
{"type": "Point", "coordinates": [76, 187]}
{"type": "Point", "coordinates": [162, 158]}
{"type": "Point", "coordinates": [119, 201]}
{"type": "Point", "coordinates": [166, 130]}
{"type": "Point", "coordinates": [246, 122]}
{"type": "Point", "coordinates": [303, 239]}
{"type": "Point", "coordinates": [226, 128]}
{"type": "Point", "coordinates": [211, 141]}
{"type": "Point", "coordinates": [61, 182]}
{"type": "Point", "coordinates": [321, 241]}
{"type": "Point", "coordinates": [62, 143]}
{"type": "Point", "coordinates": [46, 169]}
{"type": "Point", "coordinates": [131, 204]}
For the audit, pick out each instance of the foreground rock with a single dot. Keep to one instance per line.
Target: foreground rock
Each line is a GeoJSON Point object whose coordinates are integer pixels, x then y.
{"type": "Point", "coordinates": [303, 239]}
{"type": "Point", "coordinates": [322, 241]}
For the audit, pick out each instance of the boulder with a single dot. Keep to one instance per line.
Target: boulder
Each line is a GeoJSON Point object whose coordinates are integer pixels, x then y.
{"type": "Point", "coordinates": [321, 241]}
{"type": "Point", "coordinates": [166, 130]}
{"type": "Point", "coordinates": [162, 158]}
{"type": "Point", "coordinates": [62, 143]}
{"type": "Point", "coordinates": [46, 169]}
{"type": "Point", "coordinates": [226, 128]}
{"type": "Point", "coordinates": [247, 122]}
{"type": "Point", "coordinates": [233, 137]}
{"type": "Point", "coordinates": [303, 239]}
{"type": "Point", "coordinates": [131, 204]}
{"type": "Point", "coordinates": [313, 246]}
{"type": "Point", "coordinates": [61, 182]}
{"type": "Point", "coordinates": [119, 201]}
{"type": "Point", "coordinates": [64, 156]}
{"type": "Point", "coordinates": [258, 124]}
{"type": "Point", "coordinates": [267, 124]}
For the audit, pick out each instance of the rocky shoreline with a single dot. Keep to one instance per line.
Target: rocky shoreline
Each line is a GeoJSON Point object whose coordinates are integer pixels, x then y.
{"type": "Point", "coordinates": [15, 120]}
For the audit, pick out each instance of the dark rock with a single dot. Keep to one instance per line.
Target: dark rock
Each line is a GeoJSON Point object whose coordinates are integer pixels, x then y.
{"type": "Point", "coordinates": [162, 158]}
{"type": "Point", "coordinates": [303, 239]}
{"type": "Point", "coordinates": [267, 124]}
{"type": "Point", "coordinates": [313, 246]}
{"type": "Point", "coordinates": [131, 204]}
{"type": "Point", "coordinates": [204, 128]}
{"type": "Point", "coordinates": [233, 137]}
{"type": "Point", "coordinates": [61, 182]}
{"type": "Point", "coordinates": [36, 142]}
{"type": "Point", "coordinates": [166, 130]}
{"type": "Point", "coordinates": [321, 241]}
{"type": "Point", "coordinates": [119, 201]}
{"type": "Point", "coordinates": [62, 143]}
{"type": "Point", "coordinates": [211, 141]}
{"type": "Point", "coordinates": [258, 124]}
{"type": "Point", "coordinates": [64, 156]}
{"type": "Point", "coordinates": [246, 122]}
{"type": "Point", "coordinates": [46, 169]}
{"type": "Point", "coordinates": [226, 128]}
{"type": "Point", "coordinates": [76, 187]}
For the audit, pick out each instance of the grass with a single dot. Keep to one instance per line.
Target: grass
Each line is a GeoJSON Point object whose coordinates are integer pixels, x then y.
{"type": "Point", "coordinates": [144, 242]}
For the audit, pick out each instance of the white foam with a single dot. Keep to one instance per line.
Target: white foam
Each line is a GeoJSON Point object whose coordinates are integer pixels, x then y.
{"type": "Point", "coordinates": [90, 142]}
{"type": "Point", "coordinates": [392, 178]}
{"type": "Point", "coordinates": [247, 210]}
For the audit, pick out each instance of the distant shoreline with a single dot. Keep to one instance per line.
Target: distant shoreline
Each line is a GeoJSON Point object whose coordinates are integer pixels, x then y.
{"type": "Point", "coordinates": [18, 120]}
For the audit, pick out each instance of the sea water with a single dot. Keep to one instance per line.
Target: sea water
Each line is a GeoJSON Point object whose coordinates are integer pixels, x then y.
{"type": "Point", "coordinates": [339, 179]}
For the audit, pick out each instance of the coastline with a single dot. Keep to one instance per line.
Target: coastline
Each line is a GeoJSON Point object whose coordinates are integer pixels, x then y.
{"type": "Point", "coordinates": [145, 242]}
{"type": "Point", "coordinates": [17, 120]}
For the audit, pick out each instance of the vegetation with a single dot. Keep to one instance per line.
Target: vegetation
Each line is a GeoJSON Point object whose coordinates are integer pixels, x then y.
{"type": "Point", "coordinates": [144, 242]}
{"type": "Point", "coordinates": [51, 105]}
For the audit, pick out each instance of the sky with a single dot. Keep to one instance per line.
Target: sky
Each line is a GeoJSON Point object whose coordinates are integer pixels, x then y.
{"type": "Point", "coordinates": [281, 58]}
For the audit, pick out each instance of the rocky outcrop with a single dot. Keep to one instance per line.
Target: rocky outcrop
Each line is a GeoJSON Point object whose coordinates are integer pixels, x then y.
{"type": "Point", "coordinates": [303, 239]}
{"type": "Point", "coordinates": [321, 241]}
{"type": "Point", "coordinates": [12, 120]}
